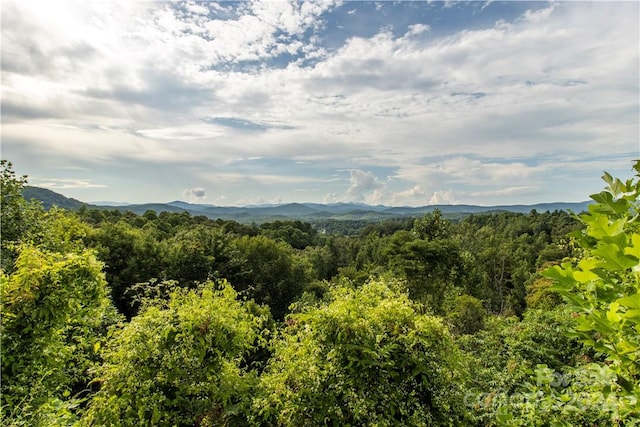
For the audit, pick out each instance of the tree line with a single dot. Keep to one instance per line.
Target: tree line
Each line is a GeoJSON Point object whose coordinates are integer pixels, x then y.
{"type": "Point", "coordinates": [112, 318]}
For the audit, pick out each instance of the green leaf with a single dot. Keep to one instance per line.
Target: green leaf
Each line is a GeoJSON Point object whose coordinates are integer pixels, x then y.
{"type": "Point", "coordinates": [634, 249]}
{"type": "Point", "coordinates": [625, 383]}
{"type": "Point", "coordinates": [632, 301]}
{"type": "Point", "coordinates": [633, 315]}
{"type": "Point", "coordinates": [584, 325]}
{"type": "Point", "coordinates": [612, 314]}
{"type": "Point", "coordinates": [585, 276]}
{"type": "Point", "coordinates": [573, 299]}
{"type": "Point", "coordinates": [608, 204]}
{"type": "Point", "coordinates": [562, 275]}
{"type": "Point", "coordinates": [607, 178]}
{"type": "Point", "coordinates": [614, 259]}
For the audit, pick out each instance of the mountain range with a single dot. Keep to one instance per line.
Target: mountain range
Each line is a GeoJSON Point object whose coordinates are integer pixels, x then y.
{"type": "Point", "coordinates": [299, 211]}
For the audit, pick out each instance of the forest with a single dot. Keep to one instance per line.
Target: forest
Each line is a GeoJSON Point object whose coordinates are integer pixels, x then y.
{"type": "Point", "coordinates": [168, 319]}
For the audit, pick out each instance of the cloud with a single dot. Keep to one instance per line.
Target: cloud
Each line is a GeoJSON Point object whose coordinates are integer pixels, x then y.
{"type": "Point", "coordinates": [330, 198]}
{"type": "Point", "coordinates": [195, 193]}
{"type": "Point", "coordinates": [506, 191]}
{"type": "Point", "coordinates": [538, 16]}
{"type": "Point", "coordinates": [256, 179]}
{"type": "Point", "coordinates": [496, 105]}
{"type": "Point", "coordinates": [188, 132]}
{"type": "Point", "coordinates": [365, 187]}
{"type": "Point", "coordinates": [471, 171]}
{"type": "Point", "coordinates": [443, 197]}
{"type": "Point", "coordinates": [158, 90]}
{"type": "Point", "coordinates": [244, 125]}
{"type": "Point", "coordinates": [64, 183]}
{"type": "Point", "coordinates": [252, 201]}
{"type": "Point", "coordinates": [417, 29]}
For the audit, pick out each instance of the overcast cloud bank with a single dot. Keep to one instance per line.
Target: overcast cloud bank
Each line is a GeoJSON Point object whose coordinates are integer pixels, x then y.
{"type": "Point", "coordinates": [254, 102]}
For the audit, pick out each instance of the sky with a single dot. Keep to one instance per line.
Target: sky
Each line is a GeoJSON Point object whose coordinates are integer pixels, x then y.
{"type": "Point", "coordinates": [261, 102]}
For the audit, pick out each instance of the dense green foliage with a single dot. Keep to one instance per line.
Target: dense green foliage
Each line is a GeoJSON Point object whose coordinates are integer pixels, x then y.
{"type": "Point", "coordinates": [180, 363]}
{"type": "Point", "coordinates": [364, 357]}
{"type": "Point", "coordinates": [112, 318]}
{"type": "Point", "coordinates": [601, 285]}
{"type": "Point", "coordinates": [55, 310]}
{"type": "Point", "coordinates": [604, 285]}
{"type": "Point", "coordinates": [16, 215]}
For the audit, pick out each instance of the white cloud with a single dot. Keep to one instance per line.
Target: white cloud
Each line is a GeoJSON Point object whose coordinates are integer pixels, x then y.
{"type": "Point", "coordinates": [365, 187]}
{"type": "Point", "coordinates": [222, 179]}
{"type": "Point", "coordinates": [64, 183]}
{"type": "Point", "coordinates": [253, 201]}
{"type": "Point", "coordinates": [195, 193]}
{"type": "Point", "coordinates": [465, 116]}
{"type": "Point", "coordinates": [443, 197]}
{"type": "Point", "coordinates": [471, 172]}
{"type": "Point", "coordinates": [507, 191]}
{"type": "Point", "coordinates": [330, 198]}
{"type": "Point", "coordinates": [537, 16]}
{"type": "Point", "coordinates": [417, 29]}
{"type": "Point", "coordinates": [187, 132]}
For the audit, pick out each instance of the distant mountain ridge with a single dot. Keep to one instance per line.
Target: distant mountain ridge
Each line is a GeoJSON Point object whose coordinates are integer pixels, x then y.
{"type": "Point", "coordinates": [50, 198]}
{"type": "Point", "coordinates": [299, 211]}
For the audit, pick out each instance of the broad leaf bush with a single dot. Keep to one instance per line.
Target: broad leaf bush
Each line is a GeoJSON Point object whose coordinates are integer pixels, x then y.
{"type": "Point", "coordinates": [367, 357]}
{"type": "Point", "coordinates": [182, 363]}
{"type": "Point", "coordinates": [586, 395]}
{"type": "Point", "coordinates": [508, 350]}
{"type": "Point", "coordinates": [55, 311]}
{"type": "Point", "coordinates": [602, 288]}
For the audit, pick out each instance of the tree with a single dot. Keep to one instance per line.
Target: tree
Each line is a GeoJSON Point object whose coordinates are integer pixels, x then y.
{"type": "Point", "coordinates": [465, 314]}
{"type": "Point", "coordinates": [181, 363]}
{"type": "Point", "coordinates": [271, 274]}
{"type": "Point", "coordinates": [55, 311]}
{"type": "Point", "coordinates": [432, 226]}
{"type": "Point", "coordinates": [200, 253]}
{"type": "Point", "coordinates": [298, 234]}
{"type": "Point", "coordinates": [505, 353]}
{"type": "Point", "coordinates": [12, 201]}
{"type": "Point", "coordinates": [131, 256]}
{"type": "Point", "coordinates": [603, 286]}
{"type": "Point", "coordinates": [17, 217]}
{"type": "Point", "coordinates": [366, 357]}
{"type": "Point", "coordinates": [430, 267]}
{"type": "Point", "coordinates": [503, 251]}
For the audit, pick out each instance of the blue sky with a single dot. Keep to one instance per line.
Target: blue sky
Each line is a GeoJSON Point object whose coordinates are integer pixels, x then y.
{"type": "Point", "coordinates": [396, 103]}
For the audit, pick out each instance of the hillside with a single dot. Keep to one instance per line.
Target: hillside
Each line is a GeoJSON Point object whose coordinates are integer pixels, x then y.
{"type": "Point", "coordinates": [300, 211]}
{"type": "Point", "coordinates": [50, 198]}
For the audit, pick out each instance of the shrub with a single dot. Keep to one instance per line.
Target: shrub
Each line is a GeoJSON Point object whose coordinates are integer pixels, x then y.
{"type": "Point", "coordinates": [367, 357]}
{"type": "Point", "coordinates": [55, 312]}
{"type": "Point", "coordinates": [182, 363]}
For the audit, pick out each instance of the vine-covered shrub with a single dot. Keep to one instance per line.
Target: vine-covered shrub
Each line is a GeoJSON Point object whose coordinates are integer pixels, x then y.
{"type": "Point", "coordinates": [55, 310]}
{"type": "Point", "coordinates": [181, 364]}
{"type": "Point", "coordinates": [367, 357]}
{"type": "Point", "coordinates": [465, 314]}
